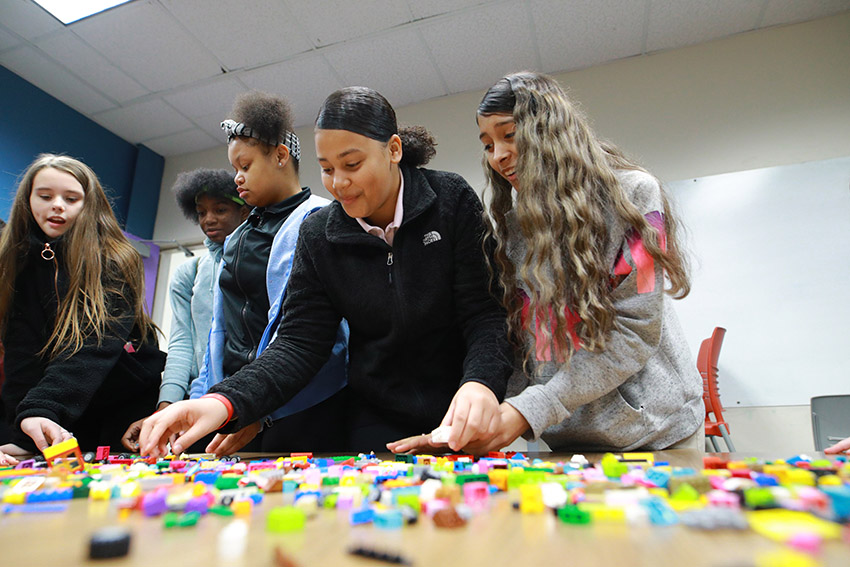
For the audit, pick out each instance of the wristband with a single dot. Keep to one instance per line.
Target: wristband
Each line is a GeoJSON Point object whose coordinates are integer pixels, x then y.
{"type": "Point", "coordinates": [227, 404]}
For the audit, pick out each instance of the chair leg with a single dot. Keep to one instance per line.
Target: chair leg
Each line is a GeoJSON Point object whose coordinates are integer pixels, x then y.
{"type": "Point", "coordinates": [727, 439]}
{"type": "Point", "coordinates": [714, 443]}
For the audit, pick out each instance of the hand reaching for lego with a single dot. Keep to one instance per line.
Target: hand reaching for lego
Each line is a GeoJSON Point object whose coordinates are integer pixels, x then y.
{"type": "Point", "coordinates": [130, 439]}
{"type": "Point", "coordinates": [44, 432]}
{"type": "Point", "coordinates": [473, 415]}
{"type": "Point", "coordinates": [183, 422]}
{"type": "Point", "coordinates": [512, 425]}
{"type": "Point", "coordinates": [229, 444]}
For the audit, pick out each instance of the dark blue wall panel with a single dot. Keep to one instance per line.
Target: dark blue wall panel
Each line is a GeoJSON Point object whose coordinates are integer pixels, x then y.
{"type": "Point", "coordinates": [33, 122]}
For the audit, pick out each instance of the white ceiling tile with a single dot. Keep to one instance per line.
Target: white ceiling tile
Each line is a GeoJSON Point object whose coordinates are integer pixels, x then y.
{"type": "Point", "coordinates": [149, 45]}
{"type": "Point", "coordinates": [27, 19]}
{"type": "Point", "coordinates": [330, 21]}
{"type": "Point", "coordinates": [583, 33]}
{"type": "Point", "coordinates": [421, 9]}
{"type": "Point", "coordinates": [143, 121]}
{"type": "Point", "coordinates": [209, 98]}
{"type": "Point", "coordinates": [194, 140]}
{"type": "Point", "coordinates": [33, 66]}
{"type": "Point", "coordinates": [396, 64]}
{"type": "Point", "coordinates": [71, 52]}
{"type": "Point", "coordinates": [211, 124]}
{"type": "Point", "coordinates": [273, 35]}
{"type": "Point", "coordinates": [8, 40]}
{"type": "Point", "coordinates": [676, 23]}
{"type": "Point", "coordinates": [787, 11]}
{"type": "Point", "coordinates": [474, 49]}
{"type": "Point", "coordinates": [305, 82]}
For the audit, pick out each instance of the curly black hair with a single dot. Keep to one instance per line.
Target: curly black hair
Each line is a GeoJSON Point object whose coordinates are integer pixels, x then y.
{"type": "Point", "coordinates": [268, 115]}
{"type": "Point", "coordinates": [213, 182]}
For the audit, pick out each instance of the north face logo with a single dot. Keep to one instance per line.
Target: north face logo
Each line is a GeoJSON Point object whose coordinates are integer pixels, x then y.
{"type": "Point", "coordinates": [431, 237]}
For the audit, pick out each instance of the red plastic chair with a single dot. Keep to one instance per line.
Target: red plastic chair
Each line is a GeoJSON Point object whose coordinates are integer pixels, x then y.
{"type": "Point", "coordinates": [715, 425]}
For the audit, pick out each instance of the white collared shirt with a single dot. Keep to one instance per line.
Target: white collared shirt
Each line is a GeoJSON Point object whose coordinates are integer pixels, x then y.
{"type": "Point", "coordinates": [387, 234]}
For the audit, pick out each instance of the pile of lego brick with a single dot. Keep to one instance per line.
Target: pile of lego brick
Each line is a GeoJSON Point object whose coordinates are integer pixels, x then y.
{"type": "Point", "coordinates": [447, 490]}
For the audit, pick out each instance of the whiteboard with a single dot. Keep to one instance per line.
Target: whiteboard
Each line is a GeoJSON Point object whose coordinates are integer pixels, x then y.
{"type": "Point", "coordinates": [771, 251]}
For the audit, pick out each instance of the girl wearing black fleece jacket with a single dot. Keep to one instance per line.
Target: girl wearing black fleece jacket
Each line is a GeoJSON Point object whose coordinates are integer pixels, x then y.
{"type": "Point", "coordinates": [81, 351]}
{"type": "Point", "coordinates": [399, 256]}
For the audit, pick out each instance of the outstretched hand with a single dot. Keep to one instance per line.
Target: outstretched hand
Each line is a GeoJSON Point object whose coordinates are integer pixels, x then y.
{"type": "Point", "coordinates": [11, 454]}
{"type": "Point", "coordinates": [44, 432]}
{"type": "Point", "coordinates": [183, 423]}
{"type": "Point", "coordinates": [842, 446]}
{"type": "Point", "coordinates": [229, 444]}
{"type": "Point", "coordinates": [473, 414]}
{"type": "Point", "coordinates": [513, 424]}
{"type": "Point", "coordinates": [130, 439]}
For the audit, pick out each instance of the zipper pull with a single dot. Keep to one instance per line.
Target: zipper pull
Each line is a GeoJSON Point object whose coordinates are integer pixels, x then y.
{"type": "Point", "coordinates": [48, 253]}
{"type": "Point", "coordinates": [390, 265]}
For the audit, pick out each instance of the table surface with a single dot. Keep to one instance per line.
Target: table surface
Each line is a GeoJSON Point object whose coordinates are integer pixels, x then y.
{"type": "Point", "coordinates": [501, 536]}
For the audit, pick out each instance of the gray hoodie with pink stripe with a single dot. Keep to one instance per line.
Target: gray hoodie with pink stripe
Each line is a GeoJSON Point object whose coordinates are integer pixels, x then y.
{"type": "Point", "coordinates": [643, 391]}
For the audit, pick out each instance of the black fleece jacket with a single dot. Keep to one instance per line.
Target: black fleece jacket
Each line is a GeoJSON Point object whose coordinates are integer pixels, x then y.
{"type": "Point", "coordinates": [95, 392]}
{"type": "Point", "coordinates": [421, 317]}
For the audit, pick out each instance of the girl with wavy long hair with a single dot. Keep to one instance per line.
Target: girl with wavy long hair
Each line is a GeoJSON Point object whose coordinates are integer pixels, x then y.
{"type": "Point", "coordinates": [81, 350]}
{"type": "Point", "coordinates": [587, 258]}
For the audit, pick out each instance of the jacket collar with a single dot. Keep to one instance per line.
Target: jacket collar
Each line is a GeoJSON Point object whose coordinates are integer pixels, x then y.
{"type": "Point", "coordinates": [418, 198]}
{"type": "Point", "coordinates": [215, 248]}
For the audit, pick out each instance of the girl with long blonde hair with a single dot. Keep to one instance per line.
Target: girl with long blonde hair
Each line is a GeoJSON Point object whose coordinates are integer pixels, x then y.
{"type": "Point", "coordinates": [81, 350]}
{"type": "Point", "coordinates": [587, 258]}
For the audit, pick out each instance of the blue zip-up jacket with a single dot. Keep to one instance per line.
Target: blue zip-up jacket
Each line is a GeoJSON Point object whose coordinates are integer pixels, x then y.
{"type": "Point", "coordinates": [332, 377]}
{"type": "Point", "coordinates": [191, 294]}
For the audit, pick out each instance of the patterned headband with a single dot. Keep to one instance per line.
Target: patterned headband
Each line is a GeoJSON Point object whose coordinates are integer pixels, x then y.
{"type": "Point", "coordinates": [290, 140]}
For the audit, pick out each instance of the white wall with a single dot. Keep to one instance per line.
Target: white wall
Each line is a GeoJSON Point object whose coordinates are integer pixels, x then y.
{"type": "Point", "coordinates": [760, 99]}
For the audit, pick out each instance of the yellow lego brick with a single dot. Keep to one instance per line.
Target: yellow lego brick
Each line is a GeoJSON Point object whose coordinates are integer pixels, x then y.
{"type": "Point", "coordinates": [799, 476]}
{"type": "Point", "coordinates": [604, 513]}
{"type": "Point", "coordinates": [531, 499]}
{"type": "Point", "coordinates": [499, 478]}
{"type": "Point", "coordinates": [12, 497]}
{"type": "Point", "coordinates": [830, 480]}
{"type": "Point", "coordinates": [242, 507]}
{"type": "Point", "coordinates": [60, 448]}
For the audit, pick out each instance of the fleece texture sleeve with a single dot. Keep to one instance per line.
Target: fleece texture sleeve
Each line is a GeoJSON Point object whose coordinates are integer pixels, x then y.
{"type": "Point", "coordinates": [479, 315]}
{"type": "Point", "coordinates": [69, 383]}
{"type": "Point", "coordinates": [305, 338]}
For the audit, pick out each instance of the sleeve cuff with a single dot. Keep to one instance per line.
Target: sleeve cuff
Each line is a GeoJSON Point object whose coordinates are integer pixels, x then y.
{"type": "Point", "coordinates": [538, 409]}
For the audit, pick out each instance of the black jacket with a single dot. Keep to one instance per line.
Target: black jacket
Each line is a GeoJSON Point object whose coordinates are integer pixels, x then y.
{"type": "Point", "coordinates": [422, 320]}
{"type": "Point", "coordinates": [244, 296]}
{"type": "Point", "coordinates": [95, 393]}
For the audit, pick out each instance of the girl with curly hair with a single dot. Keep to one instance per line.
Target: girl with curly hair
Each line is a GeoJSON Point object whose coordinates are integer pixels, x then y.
{"type": "Point", "coordinates": [398, 255]}
{"type": "Point", "coordinates": [255, 270]}
{"type": "Point", "coordinates": [587, 257]}
{"type": "Point", "coordinates": [81, 350]}
{"type": "Point", "coordinates": [209, 199]}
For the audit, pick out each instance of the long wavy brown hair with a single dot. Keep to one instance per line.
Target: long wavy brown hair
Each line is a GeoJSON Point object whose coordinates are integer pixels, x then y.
{"type": "Point", "coordinates": [568, 185]}
{"type": "Point", "coordinates": [98, 259]}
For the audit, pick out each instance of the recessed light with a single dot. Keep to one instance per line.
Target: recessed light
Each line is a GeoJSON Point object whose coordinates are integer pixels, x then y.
{"type": "Point", "coordinates": [69, 12]}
